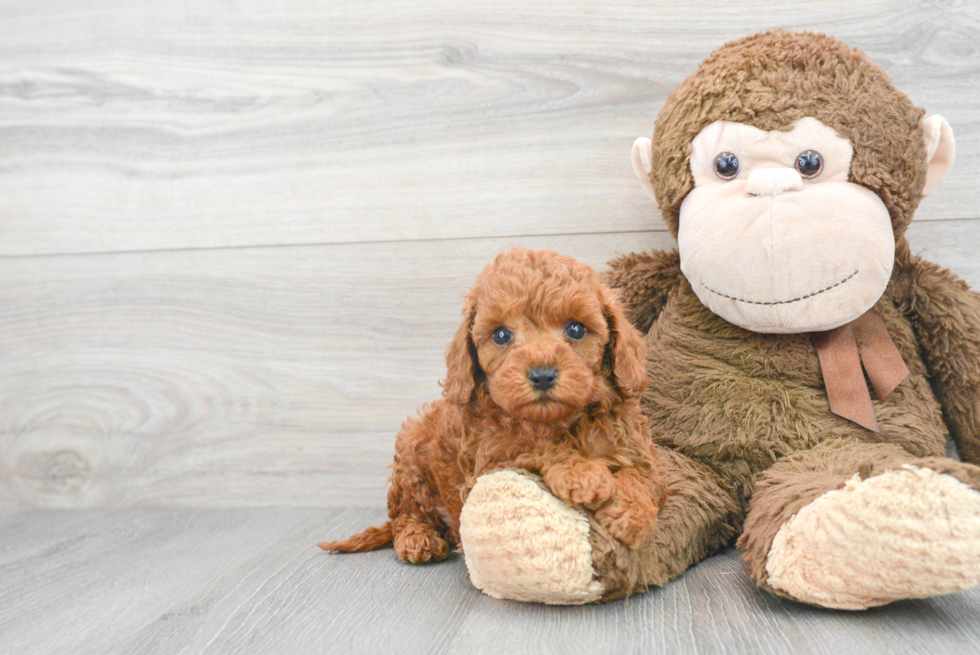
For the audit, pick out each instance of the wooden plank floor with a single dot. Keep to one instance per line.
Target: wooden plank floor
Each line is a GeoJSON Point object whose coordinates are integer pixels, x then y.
{"type": "Point", "coordinates": [251, 581]}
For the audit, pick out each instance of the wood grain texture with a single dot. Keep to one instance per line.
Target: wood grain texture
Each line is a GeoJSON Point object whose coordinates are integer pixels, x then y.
{"type": "Point", "coordinates": [242, 376]}
{"type": "Point", "coordinates": [144, 126]}
{"type": "Point", "coordinates": [263, 376]}
{"type": "Point", "coordinates": [251, 580]}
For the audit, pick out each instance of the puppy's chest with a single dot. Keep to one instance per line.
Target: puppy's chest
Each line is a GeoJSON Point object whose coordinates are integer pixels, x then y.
{"type": "Point", "coordinates": [506, 442]}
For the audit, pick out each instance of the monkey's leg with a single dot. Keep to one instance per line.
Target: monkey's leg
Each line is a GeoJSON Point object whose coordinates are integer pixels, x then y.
{"type": "Point", "coordinates": [852, 525]}
{"type": "Point", "coordinates": [521, 542]}
{"type": "Point", "coordinates": [699, 517]}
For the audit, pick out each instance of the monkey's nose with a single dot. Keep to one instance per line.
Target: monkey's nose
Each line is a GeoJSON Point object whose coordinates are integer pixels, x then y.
{"type": "Point", "coordinates": [543, 378]}
{"type": "Point", "coordinates": [770, 181]}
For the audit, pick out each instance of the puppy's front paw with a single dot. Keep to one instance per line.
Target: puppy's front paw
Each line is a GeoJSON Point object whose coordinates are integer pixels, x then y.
{"type": "Point", "coordinates": [627, 520]}
{"type": "Point", "coordinates": [583, 483]}
{"type": "Point", "coordinates": [418, 543]}
{"type": "Point", "coordinates": [631, 514]}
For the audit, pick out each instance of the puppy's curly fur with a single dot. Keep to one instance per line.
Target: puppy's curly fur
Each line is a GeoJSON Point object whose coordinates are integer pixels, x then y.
{"type": "Point", "coordinates": [579, 426]}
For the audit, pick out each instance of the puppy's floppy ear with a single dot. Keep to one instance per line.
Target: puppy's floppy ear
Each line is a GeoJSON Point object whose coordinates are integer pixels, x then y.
{"type": "Point", "coordinates": [462, 365]}
{"type": "Point", "coordinates": [626, 348]}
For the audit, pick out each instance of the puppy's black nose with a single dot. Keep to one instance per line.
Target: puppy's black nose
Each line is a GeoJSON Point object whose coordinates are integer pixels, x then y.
{"type": "Point", "coordinates": [543, 378]}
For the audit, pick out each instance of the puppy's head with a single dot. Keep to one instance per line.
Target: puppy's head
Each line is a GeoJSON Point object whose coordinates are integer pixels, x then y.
{"type": "Point", "coordinates": [545, 337]}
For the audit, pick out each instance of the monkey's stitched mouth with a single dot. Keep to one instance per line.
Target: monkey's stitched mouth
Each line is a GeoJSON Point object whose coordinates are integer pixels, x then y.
{"type": "Point", "coordinates": [779, 302]}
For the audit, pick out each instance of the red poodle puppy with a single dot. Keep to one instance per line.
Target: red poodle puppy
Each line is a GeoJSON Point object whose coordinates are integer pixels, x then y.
{"type": "Point", "coordinates": [544, 375]}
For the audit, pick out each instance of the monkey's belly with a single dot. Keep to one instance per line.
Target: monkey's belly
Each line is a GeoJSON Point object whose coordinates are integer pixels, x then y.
{"type": "Point", "coordinates": [739, 400]}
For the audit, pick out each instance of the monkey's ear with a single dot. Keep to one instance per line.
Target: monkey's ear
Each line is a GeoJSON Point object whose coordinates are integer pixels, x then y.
{"type": "Point", "coordinates": [643, 164]}
{"type": "Point", "coordinates": [462, 365]}
{"type": "Point", "coordinates": [940, 151]}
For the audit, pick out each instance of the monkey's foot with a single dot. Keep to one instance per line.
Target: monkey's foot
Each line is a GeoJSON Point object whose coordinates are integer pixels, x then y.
{"type": "Point", "coordinates": [520, 542]}
{"type": "Point", "coordinates": [910, 532]}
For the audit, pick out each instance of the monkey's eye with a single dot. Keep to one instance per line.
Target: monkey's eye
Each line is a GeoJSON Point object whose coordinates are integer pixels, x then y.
{"type": "Point", "coordinates": [809, 163]}
{"type": "Point", "coordinates": [726, 166]}
{"type": "Point", "coordinates": [575, 331]}
{"type": "Point", "coordinates": [502, 336]}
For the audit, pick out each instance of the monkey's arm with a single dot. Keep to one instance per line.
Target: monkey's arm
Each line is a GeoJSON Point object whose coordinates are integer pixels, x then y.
{"type": "Point", "coordinates": [945, 314]}
{"type": "Point", "coordinates": [643, 281]}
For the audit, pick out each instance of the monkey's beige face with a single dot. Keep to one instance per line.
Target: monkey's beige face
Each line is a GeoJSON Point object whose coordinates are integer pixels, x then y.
{"type": "Point", "coordinates": [773, 238]}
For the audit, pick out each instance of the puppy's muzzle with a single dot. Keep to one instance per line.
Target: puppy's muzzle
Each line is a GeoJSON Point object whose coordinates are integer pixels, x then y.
{"type": "Point", "coordinates": [543, 378]}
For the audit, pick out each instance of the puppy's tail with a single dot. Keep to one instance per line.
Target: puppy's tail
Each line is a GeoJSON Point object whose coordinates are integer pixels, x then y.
{"type": "Point", "coordinates": [370, 539]}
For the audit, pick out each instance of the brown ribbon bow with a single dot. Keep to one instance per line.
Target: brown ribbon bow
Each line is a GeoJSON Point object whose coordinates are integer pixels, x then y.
{"type": "Point", "coordinates": [843, 350]}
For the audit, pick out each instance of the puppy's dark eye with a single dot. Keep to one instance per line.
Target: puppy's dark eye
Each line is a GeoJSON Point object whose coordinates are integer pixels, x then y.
{"type": "Point", "coordinates": [575, 331]}
{"type": "Point", "coordinates": [809, 163]}
{"type": "Point", "coordinates": [726, 166]}
{"type": "Point", "coordinates": [502, 336]}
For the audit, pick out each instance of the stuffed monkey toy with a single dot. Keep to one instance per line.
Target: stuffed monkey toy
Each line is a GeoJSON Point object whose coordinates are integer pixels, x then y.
{"type": "Point", "coordinates": [788, 168]}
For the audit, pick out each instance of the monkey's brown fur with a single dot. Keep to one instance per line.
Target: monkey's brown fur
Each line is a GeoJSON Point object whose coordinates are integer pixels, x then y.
{"type": "Point", "coordinates": [741, 419]}
{"type": "Point", "coordinates": [587, 436]}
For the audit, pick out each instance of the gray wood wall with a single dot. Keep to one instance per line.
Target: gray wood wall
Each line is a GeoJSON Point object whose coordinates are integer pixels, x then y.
{"type": "Point", "coordinates": [234, 235]}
